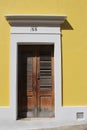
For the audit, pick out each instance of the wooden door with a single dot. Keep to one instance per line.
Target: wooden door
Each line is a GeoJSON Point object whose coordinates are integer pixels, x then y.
{"type": "Point", "coordinates": [35, 81]}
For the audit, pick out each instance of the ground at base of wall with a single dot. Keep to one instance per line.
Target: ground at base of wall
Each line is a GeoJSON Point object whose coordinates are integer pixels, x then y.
{"type": "Point", "coordinates": [74, 127]}
{"type": "Point", "coordinates": [25, 125]}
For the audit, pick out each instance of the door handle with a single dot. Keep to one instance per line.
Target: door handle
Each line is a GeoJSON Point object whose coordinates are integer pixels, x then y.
{"type": "Point", "coordinates": [38, 75]}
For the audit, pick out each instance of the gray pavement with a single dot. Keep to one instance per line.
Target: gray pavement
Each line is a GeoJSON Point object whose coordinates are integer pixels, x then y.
{"type": "Point", "coordinates": [74, 127]}
{"type": "Point", "coordinates": [40, 125]}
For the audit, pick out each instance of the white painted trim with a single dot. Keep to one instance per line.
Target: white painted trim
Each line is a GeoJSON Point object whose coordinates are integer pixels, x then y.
{"type": "Point", "coordinates": [34, 39]}
{"type": "Point", "coordinates": [34, 20]}
{"type": "Point", "coordinates": [66, 116]}
{"type": "Point", "coordinates": [35, 30]}
{"type": "Point", "coordinates": [25, 38]}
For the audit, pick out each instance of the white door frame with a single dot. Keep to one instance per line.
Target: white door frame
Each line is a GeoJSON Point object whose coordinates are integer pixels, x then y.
{"type": "Point", "coordinates": [23, 38]}
{"type": "Point", "coordinates": [35, 29]}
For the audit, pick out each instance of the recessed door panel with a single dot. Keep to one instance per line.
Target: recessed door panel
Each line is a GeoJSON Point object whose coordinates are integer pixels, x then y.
{"type": "Point", "coordinates": [35, 81]}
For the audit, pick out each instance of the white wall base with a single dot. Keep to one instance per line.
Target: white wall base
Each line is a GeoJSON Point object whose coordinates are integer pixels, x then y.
{"type": "Point", "coordinates": [65, 116]}
{"type": "Point", "coordinates": [29, 125]}
{"type": "Point", "coordinates": [5, 113]}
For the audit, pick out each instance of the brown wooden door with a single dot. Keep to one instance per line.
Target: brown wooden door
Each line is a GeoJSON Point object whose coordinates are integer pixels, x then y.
{"type": "Point", "coordinates": [35, 81]}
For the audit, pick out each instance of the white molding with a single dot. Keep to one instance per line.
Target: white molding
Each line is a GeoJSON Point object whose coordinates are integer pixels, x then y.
{"type": "Point", "coordinates": [66, 116]}
{"type": "Point", "coordinates": [35, 40]}
{"type": "Point", "coordinates": [35, 20]}
{"type": "Point", "coordinates": [35, 30]}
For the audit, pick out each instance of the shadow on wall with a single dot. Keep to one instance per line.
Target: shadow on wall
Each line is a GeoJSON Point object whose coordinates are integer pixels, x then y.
{"type": "Point", "coordinates": [65, 26]}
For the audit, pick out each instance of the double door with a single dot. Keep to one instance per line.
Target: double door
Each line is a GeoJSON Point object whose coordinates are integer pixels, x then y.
{"type": "Point", "coordinates": [35, 81]}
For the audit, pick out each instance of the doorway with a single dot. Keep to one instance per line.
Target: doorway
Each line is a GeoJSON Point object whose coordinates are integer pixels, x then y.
{"type": "Point", "coordinates": [35, 81]}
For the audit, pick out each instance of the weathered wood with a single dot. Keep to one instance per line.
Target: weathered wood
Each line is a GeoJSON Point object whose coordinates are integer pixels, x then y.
{"type": "Point", "coordinates": [35, 81]}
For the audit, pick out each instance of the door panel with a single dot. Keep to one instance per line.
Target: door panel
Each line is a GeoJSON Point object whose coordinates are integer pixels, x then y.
{"type": "Point", "coordinates": [26, 82]}
{"type": "Point", "coordinates": [35, 81]}
{"type": "Point", "coordinates": [45, 70]}
{"type": "Point", "coordinates": [46, 91]}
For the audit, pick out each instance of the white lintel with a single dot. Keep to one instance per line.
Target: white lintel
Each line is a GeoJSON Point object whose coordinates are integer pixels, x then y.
{"type": "Point", "coordinates": [35, 20]}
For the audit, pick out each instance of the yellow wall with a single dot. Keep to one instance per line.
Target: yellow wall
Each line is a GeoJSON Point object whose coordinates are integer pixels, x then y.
{"type": "Point", "coordinates": [74, 45]}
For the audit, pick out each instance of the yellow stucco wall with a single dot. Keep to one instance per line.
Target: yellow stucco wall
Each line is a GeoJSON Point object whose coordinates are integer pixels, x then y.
{"type": "Point", "coordinates": [74, 45]}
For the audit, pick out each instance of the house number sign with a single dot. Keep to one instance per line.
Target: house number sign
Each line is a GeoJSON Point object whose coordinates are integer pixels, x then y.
{"type": "Point", "coordinates": [33, 29]}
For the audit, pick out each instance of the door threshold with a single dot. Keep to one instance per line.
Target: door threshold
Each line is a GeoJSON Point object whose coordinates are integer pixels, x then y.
{"type": "Point", "coordinates": [43, 118]}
